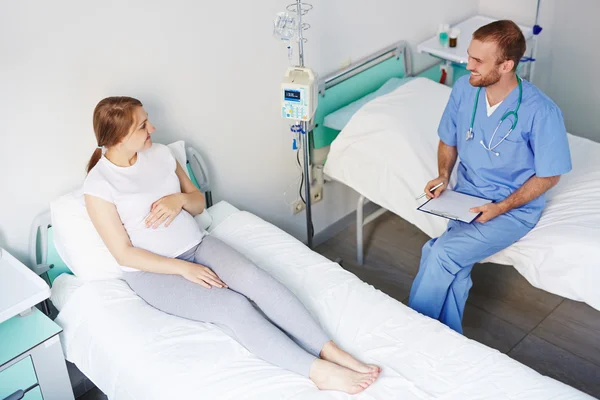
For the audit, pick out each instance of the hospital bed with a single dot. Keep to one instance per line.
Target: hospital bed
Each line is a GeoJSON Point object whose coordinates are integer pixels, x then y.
{"type": "Point", "coordinates": [380, 125]}
{"type": "Point", "coordinates": [131, 350]}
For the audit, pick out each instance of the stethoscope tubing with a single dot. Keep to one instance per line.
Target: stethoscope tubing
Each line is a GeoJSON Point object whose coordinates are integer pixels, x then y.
{"type": "Point", "coordinates": [489, 146]}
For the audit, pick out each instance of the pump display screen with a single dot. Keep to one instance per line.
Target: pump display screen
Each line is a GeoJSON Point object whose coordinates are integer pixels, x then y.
{"type": "Point", "coordinates": [292, 95]}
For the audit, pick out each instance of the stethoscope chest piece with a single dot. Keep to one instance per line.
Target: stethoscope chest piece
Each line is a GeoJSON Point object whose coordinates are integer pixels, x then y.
{"type": "Point", "coordinates": [470, 134]}
{"type": "Point", "coordinates": [488, 149]}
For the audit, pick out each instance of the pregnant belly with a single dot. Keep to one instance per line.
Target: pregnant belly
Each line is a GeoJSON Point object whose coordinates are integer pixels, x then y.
{"type": "Point", "coordinates": [168, 241]}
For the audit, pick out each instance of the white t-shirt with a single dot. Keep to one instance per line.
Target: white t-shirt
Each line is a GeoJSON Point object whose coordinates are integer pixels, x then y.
{"type": "Point", "coordinates": [133, 190]}
{"type": "Point", "coordinates": [491, 109]}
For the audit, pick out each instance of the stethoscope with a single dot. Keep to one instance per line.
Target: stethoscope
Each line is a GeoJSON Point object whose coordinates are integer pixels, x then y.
{"type": "Point", "coordinates": [489, 146]}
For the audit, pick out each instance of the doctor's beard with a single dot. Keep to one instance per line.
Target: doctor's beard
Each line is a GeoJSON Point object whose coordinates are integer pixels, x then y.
{"type": "Point", "coordinates": [487, 80]}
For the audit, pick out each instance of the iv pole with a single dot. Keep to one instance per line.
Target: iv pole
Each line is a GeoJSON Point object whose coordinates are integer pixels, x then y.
{"type": "Point", "coordinates": [536, 31]}
{"type": "Point", "coordinates": [305, 148]}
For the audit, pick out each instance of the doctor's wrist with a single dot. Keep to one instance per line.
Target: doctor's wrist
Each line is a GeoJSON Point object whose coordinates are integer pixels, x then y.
{"type": "Point", "coordinates": [504, 206]}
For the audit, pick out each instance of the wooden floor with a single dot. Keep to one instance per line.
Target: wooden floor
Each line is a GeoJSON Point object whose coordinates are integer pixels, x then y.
{"type": "Point", "coordinates": [557, 337]}
{"type": "Point", "coordinates": [94, 394]}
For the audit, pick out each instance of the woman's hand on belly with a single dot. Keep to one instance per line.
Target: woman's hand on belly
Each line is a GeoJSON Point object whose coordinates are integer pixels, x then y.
{"type": "Point", "coordinates": [165, 210]}
{"type": "Point", "coordinates": [201, 275]}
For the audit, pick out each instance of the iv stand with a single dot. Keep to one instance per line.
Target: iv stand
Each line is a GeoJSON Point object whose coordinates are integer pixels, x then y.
{"type": "Point", "coordinates": [305, 148]}
{"type": "Point", "coordinates": [536, 31]}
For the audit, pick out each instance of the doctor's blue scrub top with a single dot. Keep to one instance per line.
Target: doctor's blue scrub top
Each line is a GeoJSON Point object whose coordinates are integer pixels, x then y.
{"type": "Point", "coordinates": [537, 146]}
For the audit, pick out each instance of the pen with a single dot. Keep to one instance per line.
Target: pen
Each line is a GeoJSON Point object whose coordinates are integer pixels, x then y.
{"type": "Point", "coordinates": [431, 190]}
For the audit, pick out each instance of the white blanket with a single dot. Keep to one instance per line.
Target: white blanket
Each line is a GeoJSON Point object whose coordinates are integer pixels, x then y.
{"type": "Point", "coordinates": [133, 351]}
{"type": "Point", "coordinates": [388, 151]}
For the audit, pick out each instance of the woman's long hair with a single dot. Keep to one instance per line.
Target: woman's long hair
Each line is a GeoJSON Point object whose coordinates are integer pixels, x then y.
{"type": "Point", "coordinates": [113, 119]}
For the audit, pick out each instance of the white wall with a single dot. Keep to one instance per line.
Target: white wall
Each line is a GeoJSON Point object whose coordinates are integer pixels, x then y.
{"type": "Point", "coordinates": [188, 62]}
{"type": "Point", "coordinates": [568, 58]}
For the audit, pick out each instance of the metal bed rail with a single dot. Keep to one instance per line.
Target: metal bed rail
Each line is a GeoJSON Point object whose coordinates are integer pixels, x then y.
{"type": "Point", "coordinates": [398, 49]}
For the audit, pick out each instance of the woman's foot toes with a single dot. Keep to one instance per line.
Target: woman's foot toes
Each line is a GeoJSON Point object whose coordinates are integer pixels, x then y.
{"type": "Point", "coordinates": [373, 369]}
{"type": "Point", "coordinates": [331, 352]}
{"type": "Point", "coordinates": [330, 376]}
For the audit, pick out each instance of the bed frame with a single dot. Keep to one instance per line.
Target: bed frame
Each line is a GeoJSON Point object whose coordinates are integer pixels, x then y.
{"type": "Point", "coordinates": [349, 84]}
{"type": "Point", "coordinates": [43, 256]}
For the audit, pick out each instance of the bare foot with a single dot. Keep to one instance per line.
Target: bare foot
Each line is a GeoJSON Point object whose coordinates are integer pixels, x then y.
{"type": "Point", "coordinates": [331, 352]}
{"type": "Point", "coordinates": [329, 376]}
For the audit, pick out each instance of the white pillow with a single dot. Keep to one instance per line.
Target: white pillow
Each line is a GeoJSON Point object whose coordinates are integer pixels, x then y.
{"type": "Point", "coordinates": [338, 119]}
{"type": "Point", "coordinates": [78, 243]}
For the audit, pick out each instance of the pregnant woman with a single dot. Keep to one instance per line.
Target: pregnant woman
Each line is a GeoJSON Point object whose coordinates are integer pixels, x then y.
{"type": "Point", "coordinates": [142, 204]}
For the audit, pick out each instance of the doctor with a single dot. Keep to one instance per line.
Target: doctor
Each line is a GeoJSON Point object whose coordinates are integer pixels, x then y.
{"type": "Point", "coordinates": [512, 144]}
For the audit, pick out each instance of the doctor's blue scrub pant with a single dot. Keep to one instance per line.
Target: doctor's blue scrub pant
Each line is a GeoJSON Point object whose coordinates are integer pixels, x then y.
{"type": "Point", "coordinates": [442, 285]}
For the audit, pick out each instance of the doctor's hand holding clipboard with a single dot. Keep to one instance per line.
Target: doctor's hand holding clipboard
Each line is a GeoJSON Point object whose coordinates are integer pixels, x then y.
{"type": "Point", "coordinates": [455, 205]}
{"type": "Point", "coordinates": [488, 212]}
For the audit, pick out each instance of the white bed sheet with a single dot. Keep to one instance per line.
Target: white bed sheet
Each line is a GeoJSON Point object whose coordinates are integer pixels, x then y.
{"type": "Point", "coordinates": [133, 351]}
{"type": "Point", "coordinates": [388, 151]}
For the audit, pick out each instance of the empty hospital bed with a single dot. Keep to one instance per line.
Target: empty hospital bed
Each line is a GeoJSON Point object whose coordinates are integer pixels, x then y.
{"type": "Point", "coordinates": [383, 144]}
{"type": "Point", "coordinates": [132, 351]}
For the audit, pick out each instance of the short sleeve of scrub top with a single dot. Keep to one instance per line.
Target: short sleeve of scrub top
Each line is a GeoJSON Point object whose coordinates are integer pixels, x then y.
{"type": "Point", "coordinates": [549, 143]}
{"type": "Point", "coordinates": [447, 128]}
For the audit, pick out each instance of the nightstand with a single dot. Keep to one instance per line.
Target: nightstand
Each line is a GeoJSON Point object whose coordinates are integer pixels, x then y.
{"type": "Point", "coordinates": [32, 365]}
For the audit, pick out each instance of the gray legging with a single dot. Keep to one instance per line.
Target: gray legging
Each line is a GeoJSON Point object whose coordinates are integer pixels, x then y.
{"type": "Point", "coordinates": [231, 307]}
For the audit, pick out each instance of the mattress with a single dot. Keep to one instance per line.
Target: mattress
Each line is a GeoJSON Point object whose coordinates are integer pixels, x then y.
{"type": "Point", "coordinates": [388, 151]}
{"type": "Point", "coordinates": [133, 351]}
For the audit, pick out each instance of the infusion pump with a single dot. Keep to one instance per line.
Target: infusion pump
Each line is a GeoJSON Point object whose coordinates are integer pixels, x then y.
{"type": "Point", "coordinates": [299, 94]}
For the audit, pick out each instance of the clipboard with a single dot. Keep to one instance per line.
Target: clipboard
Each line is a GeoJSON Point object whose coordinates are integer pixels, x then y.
{"type": "Point", "coordinates": [454, 206]}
